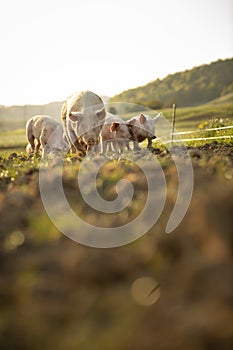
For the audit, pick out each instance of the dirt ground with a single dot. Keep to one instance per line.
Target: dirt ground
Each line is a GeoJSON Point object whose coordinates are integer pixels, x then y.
{"type": "Point", "coordinates": [58, 294]}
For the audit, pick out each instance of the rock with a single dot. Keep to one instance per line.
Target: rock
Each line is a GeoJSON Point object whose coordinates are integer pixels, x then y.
{"type": "Point", "coordinates": [12, 156]}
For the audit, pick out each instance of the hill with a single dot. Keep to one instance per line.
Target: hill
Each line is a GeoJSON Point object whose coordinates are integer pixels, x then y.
{"type": "Point", "coordinates": [188, 88]}
{"type": "Point", "coordinates": [225, 99]}
{"type": "Point", "coordinates": [15, 117]}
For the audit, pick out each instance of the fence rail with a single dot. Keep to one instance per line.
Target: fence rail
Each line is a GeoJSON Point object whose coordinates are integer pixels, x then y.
{"type": "Point", "coordinates": [173, 134]}
{"type": "Point", "coordinates": [202, 130]}
{"type": "Point", "coordinates": [189, 132]}
{"type": "Point", "coordinates": [202, 138]}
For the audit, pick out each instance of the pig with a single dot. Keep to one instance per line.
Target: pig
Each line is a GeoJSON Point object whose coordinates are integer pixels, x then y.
{"type": "Point", "coordinates": [46, 133]}
{"type": "Point", "coordinates": [29, 149]}
{"type": "Point", "coordinates": [115, 132]}
{"type": "Point", "coordinates": [143, 127]}
{"type": "Point", "coordinates": [83, 115]}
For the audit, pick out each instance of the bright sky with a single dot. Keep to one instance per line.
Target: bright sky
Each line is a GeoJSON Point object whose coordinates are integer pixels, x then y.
{"type": "Point", "coordinates": [52, 48]}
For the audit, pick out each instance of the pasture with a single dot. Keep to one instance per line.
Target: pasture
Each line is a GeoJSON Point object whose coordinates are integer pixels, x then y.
{"type": "Point", "coordinates": [58, 294]}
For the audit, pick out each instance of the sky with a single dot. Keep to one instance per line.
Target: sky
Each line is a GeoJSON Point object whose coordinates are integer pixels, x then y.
{"type": "Point", "coordinates": [53, 48]}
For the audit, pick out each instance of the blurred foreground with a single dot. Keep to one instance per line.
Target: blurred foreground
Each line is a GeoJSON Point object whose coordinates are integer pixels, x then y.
{"type": "Point", "coordinates": [57, 294]}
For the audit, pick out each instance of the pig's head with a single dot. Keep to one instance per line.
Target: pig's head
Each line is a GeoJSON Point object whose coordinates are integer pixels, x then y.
{"type": "Point", "coordinates": [87, 124]}
{"type": "Point", "coordinates": [122, 130]}
{"type": "Point", "coordinates": [148, 124]}
{"type": "Point", "coordinates": [57, 142]}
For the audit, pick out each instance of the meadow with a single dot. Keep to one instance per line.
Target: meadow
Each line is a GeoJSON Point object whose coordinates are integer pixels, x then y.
{"type": "Point", "coordinates": [58, 294]}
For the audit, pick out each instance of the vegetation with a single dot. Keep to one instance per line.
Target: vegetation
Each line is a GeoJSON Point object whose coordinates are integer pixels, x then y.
{"type": "Point", "coordinates": [189, 88]}
{"type": "Point", "coordinates": [13, 139]}
{"type": "Point", "coordinates": [215, 129]}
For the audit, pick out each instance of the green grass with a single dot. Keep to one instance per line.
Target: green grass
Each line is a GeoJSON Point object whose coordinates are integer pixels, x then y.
{"type": "Point", "coordinates": [223, 99]}
{"type": "Point", "coordinates": [13, 166]}
{"type": "Point", "coordinates": [13, 138]}
{"type": "Point", "coordinates": [189, 118]}
{"type": "Point", "coordinates": [206, 131]}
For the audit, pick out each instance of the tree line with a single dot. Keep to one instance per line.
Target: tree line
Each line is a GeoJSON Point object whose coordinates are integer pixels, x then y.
{"type": "Point", "coordinates": [188, 88]}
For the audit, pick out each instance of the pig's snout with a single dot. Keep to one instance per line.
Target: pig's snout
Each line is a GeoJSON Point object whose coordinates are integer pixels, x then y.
{"type": "Point", "coordinates": [57, 151]}
{"type": "Point", "coordinates": [153, 137]}
{"type": "Point", "coordinates": [91, 141]}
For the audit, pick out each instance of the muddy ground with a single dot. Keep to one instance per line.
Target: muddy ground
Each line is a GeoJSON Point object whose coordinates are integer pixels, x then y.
{"type": "Point", "coordinates": [58, 294]}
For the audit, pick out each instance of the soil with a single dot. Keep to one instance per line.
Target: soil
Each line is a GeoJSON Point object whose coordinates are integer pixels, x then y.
{"type": "Point", "coordinates": [58, 294]}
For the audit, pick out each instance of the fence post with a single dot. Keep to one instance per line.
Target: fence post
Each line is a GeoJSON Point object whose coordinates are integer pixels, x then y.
{"type": "Point", "coordinates": [173, 121]}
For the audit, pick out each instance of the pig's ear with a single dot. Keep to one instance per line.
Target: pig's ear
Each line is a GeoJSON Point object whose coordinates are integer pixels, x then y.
{"type": "Point", "coordinates": [131, 122]}
{"type": "Point", "coordinates": [74, 116]}
{"type": "Point", "coordinates": [142, 119]}
{"type": "Point", "coordinates": [114, 126]}
{"type": "Point", "coordinates": [101, 113]}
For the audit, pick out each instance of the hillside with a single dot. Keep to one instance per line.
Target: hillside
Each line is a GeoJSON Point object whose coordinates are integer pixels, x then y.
{"type": "Point", "coordinates": [15, 117]}
{"type": "Point", "coordinates": [189, 88]}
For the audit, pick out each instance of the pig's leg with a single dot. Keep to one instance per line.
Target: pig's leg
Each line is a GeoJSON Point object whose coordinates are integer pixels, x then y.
{"type": "Point", "coordinates": [136, 145]}
{"type": "Point", "coordinates": [29, 134]}
{"type": "Point", "coordinates": [37, 148]}
{"type": "Point", "coordinates": [121, 146]}
{"type": "Point", "coordinates": [45, 148]}
{"type": "Point", "coordinates": [116, 146]}
{"type": "Point", "coordinates": [74, 142]}
{"type": "Point", "coordinates": [31, 140]}
{"type": "Point", "coordinates": [104, 146]}
{"type": "Point", "coordinates": [149, 146]}
{"type": "Point", "coordinates": [127, 145]}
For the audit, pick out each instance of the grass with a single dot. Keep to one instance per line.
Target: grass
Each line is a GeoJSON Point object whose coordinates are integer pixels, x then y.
{"type": "Point", "coordinates": [209, 131]}
{"type": "Point", "coordinates": [15, 165]}
{"type": "Point", "coordinates": [190, 117]}
{"type": "Point", "coordinates": [13, 139]}
{"type": "Point", "coordinates": [223, 99]}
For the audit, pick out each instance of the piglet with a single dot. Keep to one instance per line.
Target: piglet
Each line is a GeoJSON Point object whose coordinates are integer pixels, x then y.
{"type": "Point", "coordinates": [142, 127]}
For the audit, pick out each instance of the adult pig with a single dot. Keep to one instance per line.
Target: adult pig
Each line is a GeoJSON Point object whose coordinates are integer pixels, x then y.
{"type": "Point", "coordinates": [83, 116]}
